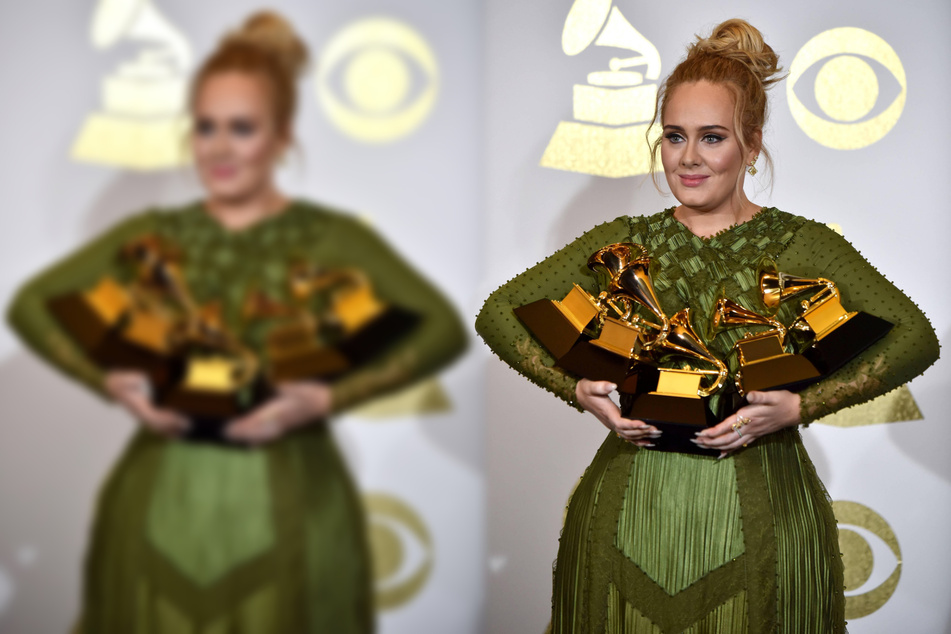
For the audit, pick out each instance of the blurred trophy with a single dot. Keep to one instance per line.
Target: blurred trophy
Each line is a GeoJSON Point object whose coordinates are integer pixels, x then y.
{"type": "Point", "coordinates": [350, 330]}
{"type": "Point", "coordinates": [764, 362]}
{"type": "Point", "coordinates": [838, 336]}
{"type": "Point", "coordinates": [215, 377]}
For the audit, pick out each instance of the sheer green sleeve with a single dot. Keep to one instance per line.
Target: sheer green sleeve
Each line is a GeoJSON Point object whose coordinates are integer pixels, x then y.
{"type": "Point", "coordinates": [436, 340]}
{"type": "Point", "coordinates": [29, 317]}
{"type": "Point", "coordinates": [904, 353]}
{"type": "Point", "coordinates": [552, 278]}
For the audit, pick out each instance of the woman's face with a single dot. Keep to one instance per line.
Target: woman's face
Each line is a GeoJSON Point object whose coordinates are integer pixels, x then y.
{"type": "Point", "coordinates": [235, 140]}
{"type": "Point", "coordinates": [700, 152]}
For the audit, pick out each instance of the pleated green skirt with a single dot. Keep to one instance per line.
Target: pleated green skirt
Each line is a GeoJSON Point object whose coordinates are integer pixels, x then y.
{"type": "Point", "coordinates": [664, 542]}
{"type": "Point", "coordinates": [201, 539]}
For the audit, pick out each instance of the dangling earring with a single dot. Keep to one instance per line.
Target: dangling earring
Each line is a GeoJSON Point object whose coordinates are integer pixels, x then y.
{"type": "Point", "coordinates": [750, 167]}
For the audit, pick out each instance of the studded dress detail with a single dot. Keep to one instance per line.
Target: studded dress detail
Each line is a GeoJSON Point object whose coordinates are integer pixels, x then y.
{"type": "Point", "coordinates": [659, 542]}
{"type": "Point", "coordinates": [194, 538]}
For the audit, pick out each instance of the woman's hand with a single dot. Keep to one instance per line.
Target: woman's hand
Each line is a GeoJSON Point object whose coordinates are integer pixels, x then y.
{"type": "Point", "coordinates": [767, 412]}
{"type": "Point", "coordinates": [595, 397]}
{"type": "Point", "coordinates": [131, 389]}
{"type": "Point", "coordinates": [296, 403]}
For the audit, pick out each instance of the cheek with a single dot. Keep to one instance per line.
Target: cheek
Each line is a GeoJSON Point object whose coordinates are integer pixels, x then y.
{"type": "Point", "coordinates": [257, 151]}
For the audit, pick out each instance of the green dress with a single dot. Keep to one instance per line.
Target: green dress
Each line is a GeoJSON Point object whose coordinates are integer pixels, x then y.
{"type": "Point", "coordinates": [669, 542]}
{"type": "Point", "coordinates": [194, 538]}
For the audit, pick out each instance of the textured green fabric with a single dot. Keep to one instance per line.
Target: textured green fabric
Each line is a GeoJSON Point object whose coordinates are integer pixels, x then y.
{"type": "Point", "coordinates": [207, 540]}
{"type": "Point", "coordinates": [660, 542]}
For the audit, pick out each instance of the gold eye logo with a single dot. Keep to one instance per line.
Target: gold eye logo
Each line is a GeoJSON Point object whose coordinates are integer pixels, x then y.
{"type": "Point", "coordinates": [846, 88]}
{"type": "Point", "coordinates": [370, 62]}
{"type": "Point", "coordinates": [858, 523]}
{"type": "Point", "coordinates": [402, 550]}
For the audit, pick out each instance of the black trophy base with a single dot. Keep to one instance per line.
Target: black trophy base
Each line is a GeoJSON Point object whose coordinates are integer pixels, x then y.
{"type": "Point", "coordinates": [598, 364]}
{"type": "Point", "coordinates": [678, 418]}
{"type": "Point", "coordinates": [791, 372]}
{"type": "Point", "coordinates": [846, 342]}
{"type": "Point", "coordinates": [209, 413]}
{"type": "Point", "coordinates": [382, 332]}
{"type": "Point", "coordinates": [550, 326]}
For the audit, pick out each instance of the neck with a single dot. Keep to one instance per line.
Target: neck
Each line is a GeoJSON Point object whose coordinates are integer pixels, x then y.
{"type": "Point", "coordinates": [239, 213]}
{"type": "Point", "coordinates": [706, 223]}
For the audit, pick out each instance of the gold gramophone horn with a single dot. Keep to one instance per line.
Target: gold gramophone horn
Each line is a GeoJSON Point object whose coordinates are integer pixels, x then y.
{"type": "Point", "coordinates": [776, 287]}
{"type": "Point", "coordinates": [729, 314]}
{"type": "Point", "coordinates": [628, 266]}
{"type": "Point", "coordinates": [682, 340]}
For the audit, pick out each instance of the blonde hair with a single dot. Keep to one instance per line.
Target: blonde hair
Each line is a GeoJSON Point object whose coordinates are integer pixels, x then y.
{"type": "Point", "coordinates": [265, 45]}
{"type": "Point", "coordinates": [736, 57]}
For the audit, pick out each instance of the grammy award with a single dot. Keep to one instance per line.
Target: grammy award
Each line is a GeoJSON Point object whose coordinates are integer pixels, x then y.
{"type": "Point", "coordinates": [763, 360]}
{"type": "Point", "coordinates": [838, 336]}
{"type": "Point", "coordinates": [352, 329]}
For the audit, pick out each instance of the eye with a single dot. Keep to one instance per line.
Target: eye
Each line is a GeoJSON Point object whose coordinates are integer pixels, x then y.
{"type": "Point", "coordinates": [871, 556]}
{"type": "Point", "coordinates": [243, 127]}
{"type": "Point", "coordinates": [378, 80]}
{"type": "Point", "coordinates": [855, 80]}
{"type": "Point", "coordinates": [673, 137]}
{"type": "Point", "coordinates": [402, 549]}
{"type": "Point", "coordinates": [712, 138]}
{"type": "Point", "coordinates": [204, 127]}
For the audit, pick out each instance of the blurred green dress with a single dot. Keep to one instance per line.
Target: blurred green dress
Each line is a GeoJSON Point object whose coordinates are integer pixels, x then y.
{"type": "Point", "coordinates": [194, 538]}
{"type": "Point", "coordinates": [667, 542]}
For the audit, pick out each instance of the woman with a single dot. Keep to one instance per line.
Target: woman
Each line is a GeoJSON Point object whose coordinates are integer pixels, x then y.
{"type": "Point", "coordinates": [195, 537]}
{"type": "Point", "coordinates": [672, 542]}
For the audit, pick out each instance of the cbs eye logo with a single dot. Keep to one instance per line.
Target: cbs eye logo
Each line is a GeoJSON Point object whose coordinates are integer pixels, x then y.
{"type": "Point", "coordinates": [871, 557]}
{"type": "Point", "coordinates": [858, 70]}
{"type": "Point", "coordinates": [377, 80]}
{"type": "Point", "coordinates": [401, 547]}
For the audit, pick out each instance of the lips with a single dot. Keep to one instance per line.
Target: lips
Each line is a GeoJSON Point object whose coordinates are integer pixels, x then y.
{"type": "Point", "coordinates": [692, 180]}
{"type": "Point", "coordinates": [222, 173]}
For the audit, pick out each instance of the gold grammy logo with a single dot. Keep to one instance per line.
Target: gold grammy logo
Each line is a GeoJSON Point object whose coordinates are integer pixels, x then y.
{"type": "Point", "coordinates": [142, 122]}
{"type": "Point", "coordinates": [366, 85]}
{"type": "Point", "coordinates": [857, 557]}
{"type": "Point", "coordinates": [402, 549]}
{"type": "Point", "coordinates": [846, 88]}
{"type": "Point", "coordinates": [613, 110]}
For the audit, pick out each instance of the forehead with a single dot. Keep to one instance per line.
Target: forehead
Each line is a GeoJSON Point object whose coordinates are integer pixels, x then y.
{"type": "Point", "coordinates": [699, 104]}
{"type": "Point", "coordinates": [233, 92]}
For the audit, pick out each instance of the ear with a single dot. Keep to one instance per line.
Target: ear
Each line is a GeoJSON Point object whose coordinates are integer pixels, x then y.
{"type": "Point", "coordinates": [756, 145]}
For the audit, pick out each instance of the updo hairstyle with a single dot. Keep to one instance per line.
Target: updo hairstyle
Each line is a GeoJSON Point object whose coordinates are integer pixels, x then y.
{"type": "Point", "coordinates": [265, 45]}
{"type": "Point", "coordinates": [736, 57]}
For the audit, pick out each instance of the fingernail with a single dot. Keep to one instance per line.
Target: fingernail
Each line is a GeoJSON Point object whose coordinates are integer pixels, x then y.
{"type": "Point", "coordinates": [721, 456]}
{"type": "Point", "coordinates": [650, 444]}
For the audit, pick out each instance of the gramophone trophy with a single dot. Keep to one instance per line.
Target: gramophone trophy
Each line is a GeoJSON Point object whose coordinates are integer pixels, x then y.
{"type": "Point", "coordinates": [678, 404]}
{"type": "Point", "coordinates": [764, 362]}
{"type": "Point", "coordinates": [353, 328]}
{"type": "Point", "coordinates": [838, 335]}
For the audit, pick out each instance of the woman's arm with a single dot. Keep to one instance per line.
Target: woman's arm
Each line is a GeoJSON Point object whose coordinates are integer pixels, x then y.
{"type": "Point", "coordinates": [437, 339]}
{"type": "Point", "coordinates": [29, 317]}
{"type": "Point", "coordinates": [552, 278]}
{"type": "Point", "coordinates": [904, 353]}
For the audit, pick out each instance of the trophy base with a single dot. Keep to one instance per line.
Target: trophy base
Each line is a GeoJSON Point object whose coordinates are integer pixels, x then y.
{"type": "Point", "coordinates": [846, 342]}
{"type": "Point", "coordinates": [210, 412]}
{"type": "Point", "coordinates": [383, 331]}
{"type": "Point", "coordinates": [678, 418]}
{"type": "Point", "coordinates": [316, 363]}
{"type": "Point", "coordinates": [791, 372]}
{"type": "Point", "coordinates": [550, 326]}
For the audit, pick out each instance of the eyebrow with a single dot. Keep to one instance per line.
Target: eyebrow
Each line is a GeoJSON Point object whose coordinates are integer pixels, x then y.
{"type": "Point", "coordinates": [702, 128]}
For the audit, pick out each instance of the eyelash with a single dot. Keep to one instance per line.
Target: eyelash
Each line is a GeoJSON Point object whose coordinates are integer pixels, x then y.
{"type": "Point", "coordinates": [206, 128]}
{"type": "Point", "coordinates": [676, 137]}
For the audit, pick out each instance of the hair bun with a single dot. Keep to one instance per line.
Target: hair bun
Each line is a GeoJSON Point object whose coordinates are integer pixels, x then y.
{"type": "Point", "coordinates": [741, 41]}
{"type": "Point", "coordinates": [270, 32]}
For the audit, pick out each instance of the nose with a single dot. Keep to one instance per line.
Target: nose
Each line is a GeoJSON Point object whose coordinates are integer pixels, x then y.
{"type": "Point", "coordinates": [690, 156]}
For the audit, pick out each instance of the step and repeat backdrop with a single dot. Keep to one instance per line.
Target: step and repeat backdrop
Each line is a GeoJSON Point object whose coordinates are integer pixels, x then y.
{"type": "Point", "coordinates": [857, 130]}
{"type": "Point", "coordinates": [479, 137]}
{"type": "Point", "coordinates": [388, 129]}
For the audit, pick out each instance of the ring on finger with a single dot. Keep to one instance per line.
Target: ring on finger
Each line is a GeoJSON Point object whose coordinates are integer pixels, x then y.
{"type": "Point", "coordinates": [736, 428]}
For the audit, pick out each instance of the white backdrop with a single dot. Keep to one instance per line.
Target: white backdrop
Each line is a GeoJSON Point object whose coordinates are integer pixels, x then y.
{"type": "Point", "coordinates": [463, 195]}
{"type": "Point", "coordinates": [416, 179]}
{"type": "Point", "coordinates": [890, 197]}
